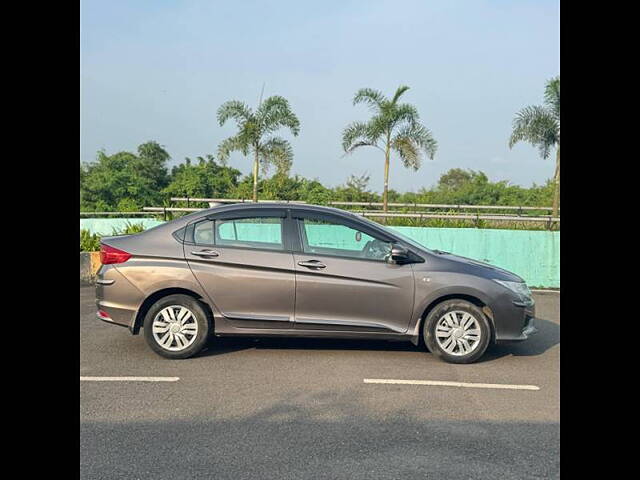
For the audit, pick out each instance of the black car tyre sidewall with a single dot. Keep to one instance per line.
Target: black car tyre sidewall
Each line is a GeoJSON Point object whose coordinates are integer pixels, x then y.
{"type": "Point", "coordinates": [430, 323]}
{"type": "Point", "coordinates": [201, 319]}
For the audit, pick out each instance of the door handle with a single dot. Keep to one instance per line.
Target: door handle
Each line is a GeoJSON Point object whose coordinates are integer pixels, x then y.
{"type": "Point", "coordinates": [312, 264]}
{"type": "Point", "coordinates": [205, 253]}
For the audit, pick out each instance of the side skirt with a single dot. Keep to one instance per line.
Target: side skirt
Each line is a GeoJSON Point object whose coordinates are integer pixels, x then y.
{"type": "Point", "coordinates": [248, 332]}
{"type": "Point", "coordinates": [226, 327]}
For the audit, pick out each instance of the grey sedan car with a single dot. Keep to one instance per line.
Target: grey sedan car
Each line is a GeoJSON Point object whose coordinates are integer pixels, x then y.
{"type": "Point", "coordinates": [275, 269]}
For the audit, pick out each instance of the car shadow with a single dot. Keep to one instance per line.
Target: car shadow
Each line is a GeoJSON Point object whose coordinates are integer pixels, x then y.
{"type": "Point", "coordinates": [548, 336]}
{"type": "Point", "coordinates": [224, 345]}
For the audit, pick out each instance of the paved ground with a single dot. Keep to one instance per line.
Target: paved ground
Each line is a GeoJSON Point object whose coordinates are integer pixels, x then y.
{"type": "Point", "coordinates": [291, 409]}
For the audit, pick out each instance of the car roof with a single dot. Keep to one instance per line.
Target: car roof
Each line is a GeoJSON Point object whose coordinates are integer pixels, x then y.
{"type": "Point", "coordinates": [267, 205]}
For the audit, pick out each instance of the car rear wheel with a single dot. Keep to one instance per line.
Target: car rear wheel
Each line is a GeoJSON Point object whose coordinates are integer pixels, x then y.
{"type": "Point", "coordinates": [457, 331]}
{"type": "Point", "coordinates": [176, 326]}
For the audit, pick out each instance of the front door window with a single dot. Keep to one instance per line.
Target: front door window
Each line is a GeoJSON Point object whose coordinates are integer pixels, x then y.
{"type": "Point", "coordinates": [322, 237]}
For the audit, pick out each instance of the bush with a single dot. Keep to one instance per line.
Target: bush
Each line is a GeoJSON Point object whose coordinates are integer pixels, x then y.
{"type": "Point", "coordinates": [130, 229]}
{"type": "Point", "coordinates": [89, 242]}
{"type": "Point", "coordinates": [127, 205]}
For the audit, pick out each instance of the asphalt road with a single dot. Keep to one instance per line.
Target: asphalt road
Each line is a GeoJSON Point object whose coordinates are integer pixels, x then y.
{"type": "Point", "coordinates": [297, 408]}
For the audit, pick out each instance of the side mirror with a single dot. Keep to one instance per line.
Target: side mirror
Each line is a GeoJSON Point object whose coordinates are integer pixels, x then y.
{"type": "Point", "coordinates": [398, 254]}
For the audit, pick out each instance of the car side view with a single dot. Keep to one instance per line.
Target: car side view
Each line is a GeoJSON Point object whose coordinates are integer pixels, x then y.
{"type": "Point", "coordinates": [273, 269]}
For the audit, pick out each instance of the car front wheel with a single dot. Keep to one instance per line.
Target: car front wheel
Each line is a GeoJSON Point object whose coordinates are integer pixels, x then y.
{"type": "Point", "coordinates": [457, 331]}
{"type": "Point", "coordinates": [176, 326]}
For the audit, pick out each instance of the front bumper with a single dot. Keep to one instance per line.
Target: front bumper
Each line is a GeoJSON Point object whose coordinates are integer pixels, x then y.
{"type": "Point", "coordinates": [515, 321]}
{"type": "Point", "coordinates": [528, 330]}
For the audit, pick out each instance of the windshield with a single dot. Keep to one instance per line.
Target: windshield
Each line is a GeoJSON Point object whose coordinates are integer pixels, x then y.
{"type": "Point", "coordinates": [396, 233]}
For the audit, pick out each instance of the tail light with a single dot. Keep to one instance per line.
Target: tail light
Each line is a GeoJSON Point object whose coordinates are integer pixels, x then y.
{"type": "Point", "coordinates": [110, 255]}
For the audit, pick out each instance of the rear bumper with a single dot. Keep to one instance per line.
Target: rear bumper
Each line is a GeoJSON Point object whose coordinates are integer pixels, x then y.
{"type": "Point", "coordinates": [105, 317]}
{"type": "Point", "coordinates": [115, 315]}
{"type": "Point", "coordinates": [117, 300]}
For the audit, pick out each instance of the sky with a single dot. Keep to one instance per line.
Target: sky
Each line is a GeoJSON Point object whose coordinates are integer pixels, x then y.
{"type": "Point", "coordinates": [159, 70]}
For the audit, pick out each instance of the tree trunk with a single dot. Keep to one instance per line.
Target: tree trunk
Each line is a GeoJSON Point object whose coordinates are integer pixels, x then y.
{"type": "Point", "coordinates": [385, 192]}
{"type": "Point", "coordinates": [255, 177]}
{"type": "Point", "coordinates": [556, 193]}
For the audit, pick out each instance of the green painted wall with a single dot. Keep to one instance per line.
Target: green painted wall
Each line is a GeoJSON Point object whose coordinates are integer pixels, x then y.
{"type": "Point", "coordinates": [534, 255]}
{"type": "Point", "coordinates": [105, 226]}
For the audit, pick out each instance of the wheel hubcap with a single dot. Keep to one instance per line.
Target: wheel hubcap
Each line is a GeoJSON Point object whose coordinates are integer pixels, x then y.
{"type": "Point", "coordinates": [458, 333]}
{"type": "Point", "coordinates": [175, 328]}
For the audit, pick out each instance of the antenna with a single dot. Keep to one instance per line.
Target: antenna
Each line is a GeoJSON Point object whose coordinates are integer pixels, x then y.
{"type": "Point", "coordinates": [261, 93]}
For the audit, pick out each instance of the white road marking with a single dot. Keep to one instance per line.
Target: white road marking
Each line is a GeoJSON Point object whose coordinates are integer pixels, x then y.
{"type": "Point", "coordinates": [129, 379]}
{"type": "Point", "coordinates": [440, 383]}
{"type": "Point", "coordinates": [535, 290]}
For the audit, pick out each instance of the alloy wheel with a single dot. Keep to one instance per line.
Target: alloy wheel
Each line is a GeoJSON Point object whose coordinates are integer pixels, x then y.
{"type": "Point", "coordinates": [175, 328]}
{"type": "Point", "coordinates": [458, 333]}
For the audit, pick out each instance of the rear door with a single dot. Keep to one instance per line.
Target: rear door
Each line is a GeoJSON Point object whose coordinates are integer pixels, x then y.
{"type": "Point", "coordinates": [343, 281]}
{"type": "Point", "coordinates": [243, 262]}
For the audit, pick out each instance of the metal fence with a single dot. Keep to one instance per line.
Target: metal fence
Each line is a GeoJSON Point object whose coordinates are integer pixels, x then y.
{"type": "Point", "coordinates": [418, 211]}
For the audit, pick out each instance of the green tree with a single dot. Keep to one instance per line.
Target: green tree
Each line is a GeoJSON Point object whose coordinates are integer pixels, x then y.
{"type": "Point", "coordinates": [312, 191]}
{"type": "Point", "coordinates": [205, 179]}
{"type": "Point", "coordinates": [394, 126]}
{"type": "Point", "coordinates": [359, 183]}
{"type": "Point", "coordinates": [539, 125]}
{"type": "Point", "coordinates": [151, 163]}
{"type": "Point", "coordinates": [468, 187]}
{"type": "Point", "coordinates": [124, 179]}
{"type": "Point", "coordinates": [356, 189]}
{"type": "Point", "coordinates": [454, 179]}
{"type": "Point", "coordinates": [254, 135]}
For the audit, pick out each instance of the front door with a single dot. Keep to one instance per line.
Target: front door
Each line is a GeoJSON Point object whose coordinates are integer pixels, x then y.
{"type": "Point", "coordinates": [243, 266]}
{"type": "Point", "coordinates": [343, 281]}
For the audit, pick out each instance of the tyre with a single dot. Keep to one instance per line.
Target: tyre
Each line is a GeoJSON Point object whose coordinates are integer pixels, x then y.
{"type": "Point", "coordinates": [176, 326]}
{"type": "Point", "coordinates": [457, 331]}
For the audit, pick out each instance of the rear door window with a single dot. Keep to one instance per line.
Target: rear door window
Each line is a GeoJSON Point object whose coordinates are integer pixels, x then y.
{"type": "Point", "coordinates": [252, 232]}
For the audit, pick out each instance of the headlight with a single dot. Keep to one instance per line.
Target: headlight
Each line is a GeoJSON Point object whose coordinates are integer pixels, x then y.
{"type": "Point", "coordinates": [519, 288]}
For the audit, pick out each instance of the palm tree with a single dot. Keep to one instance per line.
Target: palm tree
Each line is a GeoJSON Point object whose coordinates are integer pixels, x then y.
{"type": "Point", "coordinates": [254, 135]}
{"type": "Point", "coordinates": [540, 126]}
{"type": "Point", "coordinates": [394, 126]}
